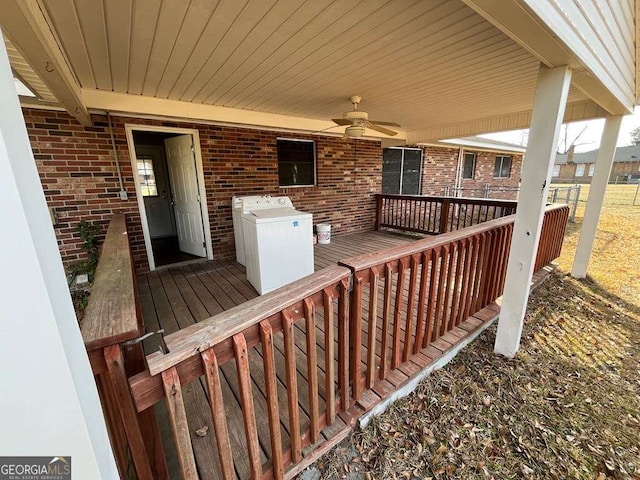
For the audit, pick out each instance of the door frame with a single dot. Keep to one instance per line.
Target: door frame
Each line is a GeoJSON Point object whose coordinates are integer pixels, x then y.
{"type": "Point", "coordinates": [129, 129]}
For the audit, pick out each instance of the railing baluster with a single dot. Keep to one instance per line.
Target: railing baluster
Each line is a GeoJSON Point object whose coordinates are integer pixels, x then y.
{"type": "Point", "coordinates": [422, 302]}
{"type": "Point", "coordinates": [268, 359]}
{"type": "Point", "coordinates": [246, 402]}
{"type": "Point", "coordinates": [330, 389]}
{"type": "Point", "coordinates": [355, 336]}
{"type": "Point", "coordinates": [413, 281]}
{"type": "Point", "coordinates": [480, 272]}
{"type": "Point", "coordinates": [386, 314]}
{"type": "Point", "coordinates": [118, 380]}
{"type": "Point", "coordinates": [179, 424]}
{"type": "Point", "coordinates": [436, 257]}
{"type": "Point", "coordinates": [218, 414]}
{"type": "Point", "coordinates": [442, 280]}
{"type": "Point", "coordinates": [343, 345]}
{"type": "Point", "coordinates": [466, 280]}
{"type": "Point", "coordinates": [292, 386]}
{"type": "Point", "coordinates": [395, 353]}
{"type": "Point", "coordinates": [312, 368]}
{"type": "Point", "coordinates": [374, 278]}
{"type": "Point", "coordinates": [446, 310]}
{"type": "Point", "coordinates": [460, 272]}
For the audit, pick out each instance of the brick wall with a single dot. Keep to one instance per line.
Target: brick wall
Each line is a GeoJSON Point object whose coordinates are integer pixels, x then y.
{"type": "Point", "coordinates": [439, 165]}
{"type": "Point", "coordinates": [78, 174]}
{"type": "Point", "coordinates": [439, 171]}
{"type": "Point", "coordinates": [483, 175]}
{"type": "Point", "coordinates": [619, 172]}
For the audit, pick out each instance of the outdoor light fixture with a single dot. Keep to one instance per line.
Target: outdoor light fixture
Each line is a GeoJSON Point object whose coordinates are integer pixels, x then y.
{"type": "Point", "coordinates": [22, 89]}
{"type": "Point", "coordinates": [354, 130]}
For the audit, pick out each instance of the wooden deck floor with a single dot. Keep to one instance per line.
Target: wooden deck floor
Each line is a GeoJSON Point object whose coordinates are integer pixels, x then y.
{"type": "Point", "coordinates": [176, 297]}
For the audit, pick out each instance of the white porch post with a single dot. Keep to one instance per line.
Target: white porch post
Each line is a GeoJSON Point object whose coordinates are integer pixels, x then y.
{"type": "Point", "coordinates": [599, 182]}
{"type": "Point", "coordinates": [49, 404]}
{"type": "Point", "coordinates": [548, 109]}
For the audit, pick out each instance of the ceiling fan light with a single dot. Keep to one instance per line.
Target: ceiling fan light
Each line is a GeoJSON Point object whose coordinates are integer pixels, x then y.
{"type": "Point", "coordinates": [354, 131]}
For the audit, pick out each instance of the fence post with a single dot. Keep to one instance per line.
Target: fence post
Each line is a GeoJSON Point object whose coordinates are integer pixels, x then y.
{"type": "Point", "coordinates": [444, 215]}
{"type": "Point", "coordinates": [555, 195]}
{"type": "Point", "coordinates": [576, 199]}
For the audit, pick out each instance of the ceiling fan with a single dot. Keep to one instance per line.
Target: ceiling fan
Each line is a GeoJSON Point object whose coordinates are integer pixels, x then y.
{"type": "Point", "coordinates": [356, 121]}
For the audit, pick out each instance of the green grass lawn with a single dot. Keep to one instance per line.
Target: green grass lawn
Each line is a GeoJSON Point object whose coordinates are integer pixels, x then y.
{"type": "Point", "coordinates": [615, 261]}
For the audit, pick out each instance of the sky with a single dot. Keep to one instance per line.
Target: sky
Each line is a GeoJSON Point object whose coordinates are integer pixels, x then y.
{"type": "Point", "coordinates": [588, 140]}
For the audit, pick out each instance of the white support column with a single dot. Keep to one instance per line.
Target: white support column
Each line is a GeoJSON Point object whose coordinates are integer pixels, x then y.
{"type": "Point", "coordinates": [49, 404]}
{"type": "Point", "coordinates": [599, 182]}
{"type": "Point", "coordinates": [546, 118]}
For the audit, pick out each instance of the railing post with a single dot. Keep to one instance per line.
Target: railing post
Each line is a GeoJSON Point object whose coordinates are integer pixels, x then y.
{"type": "Point", "coordinates": [576, 199]}
{"type": "Point", "coordinates": [378, 211]}
{"type": "Point", "coordinates": [444, 215]}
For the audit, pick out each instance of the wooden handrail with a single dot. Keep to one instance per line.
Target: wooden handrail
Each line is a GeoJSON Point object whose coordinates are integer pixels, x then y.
{"type": "Point", "coordinates": [432, 215]}
{"type": "Point", "coordinates": [111, 317]}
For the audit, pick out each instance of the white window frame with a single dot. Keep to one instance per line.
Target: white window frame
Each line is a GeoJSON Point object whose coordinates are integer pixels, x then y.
{"type": "Point", "coordinates": [502, 157]}
{"type": "Point", "coordinates": [402, 166]}
{"type": "Point", "coordinates": [592, 168]}
{"type": "Point", "coordinates": [475, 164]}
{"type": "Point", "coordinates": [315, 162]}
{"type": "Point", "coordinates": [556, 171]}
{"type": "Point", "coordinates": [580, 168]}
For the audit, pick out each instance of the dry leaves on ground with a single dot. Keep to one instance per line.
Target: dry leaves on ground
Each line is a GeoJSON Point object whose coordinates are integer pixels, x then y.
{"type": "Point", "coordinates": [568, 406]}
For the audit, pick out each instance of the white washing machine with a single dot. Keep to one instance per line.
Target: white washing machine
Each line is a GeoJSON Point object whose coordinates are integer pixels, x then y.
{"type": "Point", "coordinates": [240, 205]}
{"type": "Point", "coordinates": [278, 247]}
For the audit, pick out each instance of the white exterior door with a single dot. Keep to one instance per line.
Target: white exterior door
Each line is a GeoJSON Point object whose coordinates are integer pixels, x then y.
{"type": "Point", "coordinates": [186, 195]}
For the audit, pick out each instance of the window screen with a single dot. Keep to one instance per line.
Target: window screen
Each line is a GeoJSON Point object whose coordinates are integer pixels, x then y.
{"type": "Point", "coordinates": [502, 167]}
{"type": "Point", "coordinates": [469, 170]}
{"type": "Point", "coordinates": [296, 162]}
{"type": "Point", "coordinates": [401, 171]}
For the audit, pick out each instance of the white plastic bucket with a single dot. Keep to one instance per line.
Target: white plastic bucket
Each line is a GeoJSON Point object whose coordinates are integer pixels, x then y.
{"type": "Point", "coordinates": [324, 233]}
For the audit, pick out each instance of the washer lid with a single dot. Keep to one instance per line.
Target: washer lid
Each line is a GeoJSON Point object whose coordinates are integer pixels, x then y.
{"type": "Point", "coordinates": [276, 214]}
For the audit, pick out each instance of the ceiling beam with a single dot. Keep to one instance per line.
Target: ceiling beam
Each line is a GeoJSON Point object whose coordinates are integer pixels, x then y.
{"type": "Point", "coordinates": [136, 105]}
{"type": "Point", "coordinates": [516, 19]}
{"type": "Point", "coordinates": [575, 112]}
{"type": "Point", "coordinates": [25, 24]}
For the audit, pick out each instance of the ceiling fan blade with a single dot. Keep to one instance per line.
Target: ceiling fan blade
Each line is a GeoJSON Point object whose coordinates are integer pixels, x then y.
{"type": "Point", "coordinates": [388, 124]}
{"type": "Point", "coordinates": [380, 129]}
{"type": "Point", "coordinates": [341, 121]}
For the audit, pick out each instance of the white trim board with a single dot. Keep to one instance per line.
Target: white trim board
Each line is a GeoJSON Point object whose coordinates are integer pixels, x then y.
{"type": "Point", "coordinates": [204, 210]}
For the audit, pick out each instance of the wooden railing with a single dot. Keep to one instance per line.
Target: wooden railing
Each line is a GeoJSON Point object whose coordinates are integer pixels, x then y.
{"type": "Point", "coordinates": [111, 319]}
{"type": "Point", "coordinates": [318, 346]}
{"type": "Point", "coordinates": [260, 339]}
{"type": "Point", "coordinates": [436, 215]}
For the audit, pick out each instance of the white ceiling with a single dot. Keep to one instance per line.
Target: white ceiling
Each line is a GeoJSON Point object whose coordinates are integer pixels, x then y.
{"type": "Point", "coordinates": [420, 63]}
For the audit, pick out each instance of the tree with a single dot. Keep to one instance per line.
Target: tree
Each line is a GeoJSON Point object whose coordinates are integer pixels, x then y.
{"type": "Point", "coordinates": [635, 136]}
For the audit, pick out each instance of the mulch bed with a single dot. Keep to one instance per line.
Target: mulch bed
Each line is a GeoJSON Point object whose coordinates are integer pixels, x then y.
{"type": "Point", "coordinates": [568, 405]}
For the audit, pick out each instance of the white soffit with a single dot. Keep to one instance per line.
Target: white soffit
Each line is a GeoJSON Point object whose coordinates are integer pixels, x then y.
{"type": "Point", "coordinates": [422, 64]}
{"type": "Point", "coordinates": [30, 79]}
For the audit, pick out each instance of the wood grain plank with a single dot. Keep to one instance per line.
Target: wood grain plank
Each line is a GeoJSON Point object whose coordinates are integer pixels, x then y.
{"type": "Point", "coordinates": [246, 401]}
{"type": "Point", "coordinates": [266, 335]}
{"type": "Point", "coordinates": [329, 351]}
{"type": "Point", "coordinates": [312, 369]}
{"type": "Point", "coordinates": [218, 415]}
{"type": "Point", "coordinates": [292, 386]}
{"type": "Point", "coordinates": [179, 424]}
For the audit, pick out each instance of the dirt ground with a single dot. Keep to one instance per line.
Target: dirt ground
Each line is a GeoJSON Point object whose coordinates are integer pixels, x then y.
{"type": "Point", "coordinates": [568, 405]}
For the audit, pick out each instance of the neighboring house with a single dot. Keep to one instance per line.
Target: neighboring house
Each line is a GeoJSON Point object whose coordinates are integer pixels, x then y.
{"type": "Point", "coordinates": [469, 167]}
{"type": "Point", "coordinates": [579, 167]}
